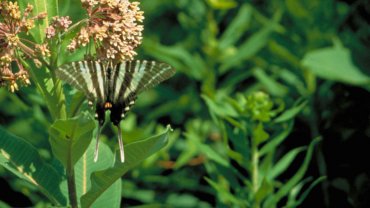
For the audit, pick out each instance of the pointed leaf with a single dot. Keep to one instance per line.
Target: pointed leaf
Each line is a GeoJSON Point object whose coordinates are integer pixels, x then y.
{"type": "Point", "coordinates": [237, 27]}
{"type": "Point", "coordinates": [249, 48]}
{"type": "Point", "coordinates": [275, 141]}
{"type": "Point", "coordinates": [335, 63]}
{"type": "Point", "coordinates": [86, 166]}
{"type": "Point", "coordinates": [284, 190]}
{"type": "Point", "coordinates": [70, 138]}
{"type": "Point", "coordinates": [291, 113]}
{"type": "Point", "coordinates": [284, 162]}
{"type": "Point", "coordinates": [22, 159]}
{"type": "Point", "coordinates": [135, 153]}
{"type": "Point", "coordinates": [306, 192]}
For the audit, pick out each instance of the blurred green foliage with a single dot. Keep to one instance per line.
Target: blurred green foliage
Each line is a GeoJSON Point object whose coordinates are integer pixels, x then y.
{"type": "Point", "coordinates": [247, 71]}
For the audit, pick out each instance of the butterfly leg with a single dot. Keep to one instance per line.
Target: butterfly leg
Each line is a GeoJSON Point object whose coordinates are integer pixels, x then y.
{"type": "Point", "coordinates": [121, 150]}
{"type": "Point", "coordinates": [96, 153]}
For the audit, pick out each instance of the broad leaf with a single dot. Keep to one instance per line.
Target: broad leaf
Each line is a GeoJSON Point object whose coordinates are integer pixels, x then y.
{"type": "Point", "coordinates": [22, 159]}
{"type": "Point", "coordinates": [86, 166]}
{"type": "Point", "coordinates": [135, 153]}
{"type": "Point", "coordinates": [335, 63]}
{"type": "Point", "coordinates": [70, 138]}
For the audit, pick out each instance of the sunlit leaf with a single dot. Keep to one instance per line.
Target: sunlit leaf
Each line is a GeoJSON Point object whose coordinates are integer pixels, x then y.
{"type": "Point", "coordinates": [86, 166]}
{"type": "Point", "coordinates": [135, 153]}
{"type": "Point", "coordinates": [222, 4]}
{"type": "Point", "coordinates": [335, 63]}
{"type": "Point", "coordinates": [70, 138]}
{"type": "Point", "coordinates": [22, 159]}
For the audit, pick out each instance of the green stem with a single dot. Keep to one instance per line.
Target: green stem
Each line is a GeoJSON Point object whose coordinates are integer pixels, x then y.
{"type": "Point", "coordinates": [320, 158]}
{"type": "Point", "coordinates": [254, 168]}
{"type": "Point", "coordinates": [71, 183]}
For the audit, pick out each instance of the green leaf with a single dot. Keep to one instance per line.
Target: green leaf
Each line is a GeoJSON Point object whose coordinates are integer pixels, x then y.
{"type": "Point", "coordinates": [237, 27]}
{"type": "Point", "coordinates": [48, 6]}
{"type": "Point", "coordinates": [135, 153]}
{"type": "Point", "coordinates": [69, 138]}
{"type": "Point", "coordinates": [296, 8]}
{"type": "Point", "coordinates": [306, 192]}
{"type": "Point", "coordinates": [265, 189]}
{"type": "Point", "coordinates": [224, 195]}
{"type": "Point", "coordinates": [285, 189]}
{"type": "Point", "coordinates": [291, 113]}
{"type": "Point", "coordinates": [86, 166]}
{"type": "Point", "coordinates": [205, 149]}
{"type": "Point", "coordinates": [4, 205]}
{"type": "Point", "coordinates": [275, 141]}
{"type": "Point", "coordinates": [335, 63]}
{"type": "Point", "coordinates": [22, 159]}
{"type": "Point", "coordinates": [248, 49]}
{"type": "Point", "coordinates": [272, 86]}
{"type": "Point", "coordinates": [284, 162]}
{"type": "Point", "coordinates": [177, 56]}
{"type": "Point", "coordinates": [219, 106]}
{"type": "Point", "coordinates": [259, 134]}
{"type": "Point", "coordinates": [222, 4]}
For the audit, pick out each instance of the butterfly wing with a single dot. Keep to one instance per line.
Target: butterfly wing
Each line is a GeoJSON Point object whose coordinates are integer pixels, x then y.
{"type": "Point", "coordinates": [130, 78]}
{"type": "Point", "coordinates": [86, 76]}
{"type": "Point", "coordinates": [118, 86]}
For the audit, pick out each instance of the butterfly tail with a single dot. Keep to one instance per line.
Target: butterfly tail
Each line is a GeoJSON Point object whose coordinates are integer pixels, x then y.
{"type": "Point", "coordinates": [96, 153]}
{"type": "Point", "coordinates": [121, 150]}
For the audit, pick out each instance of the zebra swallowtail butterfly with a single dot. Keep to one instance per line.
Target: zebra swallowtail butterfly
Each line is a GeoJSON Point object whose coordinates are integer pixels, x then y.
{"type": "Point", "coordinates": [113, 87]}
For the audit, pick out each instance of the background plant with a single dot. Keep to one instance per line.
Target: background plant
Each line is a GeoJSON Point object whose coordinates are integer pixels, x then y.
{"type": "Point", "coordinates": [314, 52]}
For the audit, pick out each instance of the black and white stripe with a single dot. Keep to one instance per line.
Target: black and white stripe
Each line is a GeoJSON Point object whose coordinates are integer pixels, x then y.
{"type": "Point", "coordinates": [116, 85]}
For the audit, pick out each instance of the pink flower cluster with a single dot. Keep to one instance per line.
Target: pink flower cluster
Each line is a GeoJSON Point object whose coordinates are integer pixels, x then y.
{"type": "Point", "coordinates": [14, 49]}
{"type": "Point", "coordinates": [113, 27]}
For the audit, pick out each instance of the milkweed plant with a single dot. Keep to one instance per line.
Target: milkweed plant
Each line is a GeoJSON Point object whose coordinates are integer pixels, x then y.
{"type": "Point", "coordinates": [36, 39]}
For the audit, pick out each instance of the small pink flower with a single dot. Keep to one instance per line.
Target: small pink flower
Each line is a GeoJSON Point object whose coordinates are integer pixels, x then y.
{"type": "Point", "coordinates": [50, 32]}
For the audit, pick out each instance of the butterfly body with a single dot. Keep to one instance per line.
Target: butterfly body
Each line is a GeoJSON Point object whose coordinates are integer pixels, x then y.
{"type": "Point", "coordinates": [113, 87]}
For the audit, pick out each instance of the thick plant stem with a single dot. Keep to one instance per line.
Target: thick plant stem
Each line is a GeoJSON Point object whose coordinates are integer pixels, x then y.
{"type": "Point", "coordinates": [72, 193]}
{"type": "Point", "coordinates": [254, 168]}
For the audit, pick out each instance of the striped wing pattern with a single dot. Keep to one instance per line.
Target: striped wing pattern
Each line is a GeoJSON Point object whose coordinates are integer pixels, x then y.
{"type": "Point", "coordinates": [113, 87]}
{"type": "Point", "coordinates": [131, 78]}
{"type": "Point", "coordinates": [86, 76]}
{"type": "Point", "coordinates": [119, 84]}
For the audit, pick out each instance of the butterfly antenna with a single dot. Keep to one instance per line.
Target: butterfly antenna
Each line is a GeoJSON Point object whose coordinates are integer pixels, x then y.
{"type": "Point", "coordinates": [121, 150]}
{"type": "Point", "coordinates": [96, 153]}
